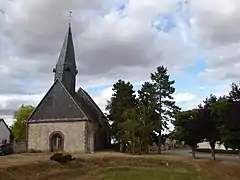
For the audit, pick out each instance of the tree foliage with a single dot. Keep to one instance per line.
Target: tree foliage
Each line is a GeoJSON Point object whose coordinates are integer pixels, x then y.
{"type": "Point", "coordinates": [165, 105]}
{"type": "Point", "coordinates": [148, 115]}
{"type": "Point", "coordinates": [209, 122]}
{"type": "Point", "coordinates": [19, 126]}
{"type": "Point", "coordinates": [136, 119]}
{"type": "Point", "coordinates": [187, 128]}
{"type": "Point", "coordinates": [217, 120]}
{"type": "Point", "coordinates": [122, 99]}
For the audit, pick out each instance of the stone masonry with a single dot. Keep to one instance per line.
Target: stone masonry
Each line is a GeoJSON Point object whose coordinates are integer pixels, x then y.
{"type": "Point", "coordinates": [74, 135]}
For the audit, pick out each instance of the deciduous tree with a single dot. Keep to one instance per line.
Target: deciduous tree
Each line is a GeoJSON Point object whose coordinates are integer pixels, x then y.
{"type": "Point", "coordinates": [211, 130]}
{"type": "Point", "coordinates": [188, 128]}
{"type": "Point", "coordinates": [19, 126]}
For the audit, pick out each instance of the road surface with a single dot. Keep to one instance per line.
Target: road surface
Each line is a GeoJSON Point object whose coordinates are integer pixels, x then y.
{"type": "Point", "coordinates": [188, 153]}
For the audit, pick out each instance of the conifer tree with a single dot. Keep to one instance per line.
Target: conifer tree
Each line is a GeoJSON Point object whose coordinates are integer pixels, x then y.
{"type": "Point", "coordinates": [122, 99]}
{"type": "Point", "coordinates": [165, 105]}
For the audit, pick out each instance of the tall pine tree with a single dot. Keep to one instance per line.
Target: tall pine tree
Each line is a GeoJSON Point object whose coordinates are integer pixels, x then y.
{"type": "Point", "coordinates": [165, 105]}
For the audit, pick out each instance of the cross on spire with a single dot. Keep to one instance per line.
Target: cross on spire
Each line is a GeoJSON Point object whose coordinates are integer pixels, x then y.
{"type": "Point", "coordinates": [70, 17]}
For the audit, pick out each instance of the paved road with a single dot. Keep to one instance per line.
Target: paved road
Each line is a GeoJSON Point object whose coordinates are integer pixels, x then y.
{"type": "Point", "coordinates": [188, 153]}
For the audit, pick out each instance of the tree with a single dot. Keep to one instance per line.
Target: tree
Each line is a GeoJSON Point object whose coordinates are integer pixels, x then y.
{"type": "Point", "coordinates": [19, 126]}
{"type": "Point", "coordinates": [234, 94]}
{"type": "Point", "coordinates": [165, 105]}
{"type": "Point", "coordinates": [226, 112]}
{"type": "Point", "coordinates": [232, 123]}
{"type": "Point", "coordinates": [188, 128]}
{"type": "Point", "coordinates": [147, 106]}
{"type": "Point", "coordinates": [131, 128]}
{"type": "Point", "coordinates": [122, 99]}
{"type": "Point", "coordinates": [211, 131]}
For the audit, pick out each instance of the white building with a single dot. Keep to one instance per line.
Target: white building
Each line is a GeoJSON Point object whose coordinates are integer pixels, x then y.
{"type": "Point", "coordinates": [206, 145]}
{"type": "Point", "coordinates": [5, 132]}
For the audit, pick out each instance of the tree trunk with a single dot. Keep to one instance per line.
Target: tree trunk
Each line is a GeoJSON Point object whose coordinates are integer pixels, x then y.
{"type": "Point", "coordinates": [213, 153]}
{"type": "Point", "coordinates": [146, 149]}
{"type": "Point", "coordinates": [160, 124]}
{"type": "Point", "coordinates": [121, 146]}
{"type": "Point", "coordinates": [133, 148]}
{"type": "Point", "coordinates": [140, 148]}
{"type": "Point", "coordinates": [159, 143]}
{"type": "Point", "coordinates": [193, 153]}
{"type": "Point", "coordinates": [133, 145]}
{"type": "Point", "coordinates": [212, 144]}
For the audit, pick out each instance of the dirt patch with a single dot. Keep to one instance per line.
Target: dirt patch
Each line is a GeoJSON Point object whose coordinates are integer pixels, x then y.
{"type": "Point", "coordinates": [22, 159]}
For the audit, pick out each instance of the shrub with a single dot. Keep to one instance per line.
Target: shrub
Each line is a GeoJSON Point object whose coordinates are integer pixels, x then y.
{"type": "Point", "coordinates": [34, 151]}
{"type": "Point", "coordinates": [61, 157]}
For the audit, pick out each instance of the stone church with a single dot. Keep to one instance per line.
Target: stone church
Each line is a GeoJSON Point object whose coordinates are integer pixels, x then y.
{"type": "Point", "coordinates": [66, 120]}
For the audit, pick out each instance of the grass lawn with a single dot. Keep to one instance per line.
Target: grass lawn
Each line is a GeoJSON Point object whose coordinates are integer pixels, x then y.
{"type": "Point", "coordinates": [149, 174]}
{"type": "Point", "coordinates": [116, 167]}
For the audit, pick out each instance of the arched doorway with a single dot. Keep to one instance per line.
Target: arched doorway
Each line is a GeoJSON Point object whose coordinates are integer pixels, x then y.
{"type": "Point", "coordinates": [56, 140]}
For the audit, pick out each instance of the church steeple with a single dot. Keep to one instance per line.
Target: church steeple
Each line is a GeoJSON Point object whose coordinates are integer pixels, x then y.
{"type": "Point", "coordinates": [66, 69]}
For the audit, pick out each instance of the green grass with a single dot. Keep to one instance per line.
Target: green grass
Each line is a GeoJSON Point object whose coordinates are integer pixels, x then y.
{"type": "Point", "coordinates": [160, 173]}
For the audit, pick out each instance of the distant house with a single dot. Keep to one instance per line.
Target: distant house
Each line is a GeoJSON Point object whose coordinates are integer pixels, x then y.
{"type": "Point", "coordinates": [5, 132]}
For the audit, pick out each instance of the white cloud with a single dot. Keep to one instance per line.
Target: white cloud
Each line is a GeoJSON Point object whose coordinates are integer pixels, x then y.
{"type": "Point", "coordinates": [216, 24]}
{"type": "Point", "coordinates": [111, 43]}
{"type": "Point", "coordinates": [102, 98]}
{"type": "Point", "coordinates": [184, 97]}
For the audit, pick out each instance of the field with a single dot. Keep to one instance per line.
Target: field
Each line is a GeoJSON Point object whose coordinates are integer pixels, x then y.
{"type": "Point", "coordinates": [115, 166]}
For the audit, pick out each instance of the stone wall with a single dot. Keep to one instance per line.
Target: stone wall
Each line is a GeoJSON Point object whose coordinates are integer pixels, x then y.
{"type": "Point", "coordinates": [19, 147]}
{"type": "Point", "coordinates": [74, 135]}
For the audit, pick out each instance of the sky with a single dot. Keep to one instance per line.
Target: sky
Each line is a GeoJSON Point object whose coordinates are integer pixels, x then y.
{"type": "Point", "coordinates": [197, 40]}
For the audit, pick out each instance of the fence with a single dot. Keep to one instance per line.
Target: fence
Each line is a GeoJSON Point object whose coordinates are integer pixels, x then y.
{"type": "Point", "coordinates": [19, 147]}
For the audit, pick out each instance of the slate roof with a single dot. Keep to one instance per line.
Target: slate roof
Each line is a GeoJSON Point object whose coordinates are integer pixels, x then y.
{"type": "Point", "coordinates": [2, 120]}
{"type": "Point", "coordinates": [90, 101]}
{"type": "Point", "coordinates": [57, 104]}
{"type": "Point", "coordinates": [90, 106]}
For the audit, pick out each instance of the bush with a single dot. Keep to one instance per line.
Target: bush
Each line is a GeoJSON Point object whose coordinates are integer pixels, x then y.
{"type": "Point", "coordinates": [61, 157]}
{"type": "Point", "coordinates": [34, 151]}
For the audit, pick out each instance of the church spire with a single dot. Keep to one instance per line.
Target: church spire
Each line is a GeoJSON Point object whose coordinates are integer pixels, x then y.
{"type": "Point", "coordinates": [66, 69]}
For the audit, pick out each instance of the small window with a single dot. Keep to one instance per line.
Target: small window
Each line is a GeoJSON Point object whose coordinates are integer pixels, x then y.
{"type": "Point", "coordinates": [4, 141]}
